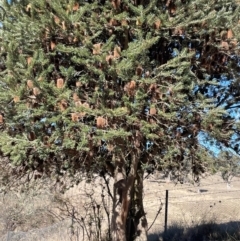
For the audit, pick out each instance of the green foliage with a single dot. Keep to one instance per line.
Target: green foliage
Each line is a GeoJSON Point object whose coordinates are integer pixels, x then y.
{"type": "Point", "coordinates": [82, 80]}
{"type": "Point", "coordinates": [228, 164]}
{"type": "Point", "coordinates": [117, 87]}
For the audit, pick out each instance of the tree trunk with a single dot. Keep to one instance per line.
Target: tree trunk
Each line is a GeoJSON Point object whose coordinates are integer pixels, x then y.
{"type": "Point", "coordinates": [137, 216]}
{"type": "Point", "coordinates": [122, 191]}
{"type": "Point", "coordinates": [120, 208]}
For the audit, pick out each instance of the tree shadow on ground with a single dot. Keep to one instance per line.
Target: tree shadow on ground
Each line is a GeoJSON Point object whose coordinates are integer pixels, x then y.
{"type": "Point", "coordinates": [203, 232]}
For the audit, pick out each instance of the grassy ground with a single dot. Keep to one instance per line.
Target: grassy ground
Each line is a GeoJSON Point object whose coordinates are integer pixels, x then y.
{"type": "Point", "coordinates": [206, 212]}
{"type": "Point", "coordinates": [209, 231]}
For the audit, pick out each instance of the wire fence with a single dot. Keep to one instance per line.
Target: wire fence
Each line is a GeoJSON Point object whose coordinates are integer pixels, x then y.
{"type": "Point", "coordinates": [188, 206]}
{"type": "Point", "coordinates": [83, 210]}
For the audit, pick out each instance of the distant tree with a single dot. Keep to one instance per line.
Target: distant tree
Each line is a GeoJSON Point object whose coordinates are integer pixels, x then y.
{"type": "Point", "coordinates": [229, 166]}
{"type": "Point", "coordinates": [117, 87]}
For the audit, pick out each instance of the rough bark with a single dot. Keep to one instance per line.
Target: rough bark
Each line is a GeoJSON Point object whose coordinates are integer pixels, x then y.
{"type": "Point", "coordinates": [137, 216]}
{"type": "Point", "coordinates": [140, 220]}
{"type": "Point", "coordinates": [123, 186]}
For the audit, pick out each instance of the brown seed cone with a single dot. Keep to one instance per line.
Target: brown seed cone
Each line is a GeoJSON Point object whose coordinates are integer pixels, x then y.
{"type": "Point", "coordinates": [56, 19]}
{"type": "Point", "coordinates": [225, 45]}
{"type": "Point", "coordinates": [97, 48]}
{"type": "Point", "coordinates": [29, 6]}
{"type": "Point", "coordinates": [124, 22]}
{"type": "Point", "coordinates": [116, 4]}
{"type": "Point", "coordinates": [78, 103]}
{"type": "Point", "coordinates": [76, 7]}
{"type": "Point", "coordinates": [75, 97]}
{"type": "Point", "coordinates": [78, 84]}
{"type": "Point", "coordinates": [16, 99]}
{"type": "Point", "coordinates": [157, 24]}
{"type": "Point", "coordinates": [113, 22]}
{"type": "Point", "coordinates": [101, 122]}
{"type": "Point", "coordinates": [153, 111]}
{"type": "Point", "coordinates": [30, 84]}
{"type": "Point", "coordinates": [130, 88]}
{"type": "Point", "coordinates": [229, 33]}
{"type": "Point", "coordinates": [31, 136]}
{"type": "Point", "coordinates": [46, 141]}
{"type": "Point", "coordinates": [63, 105]}
{"type": "Point", "coordinates": [75, 117]}
{"type": "Point", "coordinates": [36, 91]}
{"type": "Point", "coordinates": [109, 59]}
{"type": "Point", "coordinates": [60, 83]}
{"type": "Point", "coordinates": [117, 52]}
{"type": "Point", "coordinates": [29, 60]}
{"type": "Point", "coordinates": [132, 85]}
{"type": "Point", "coordinates": [1, 119]}
{"type": "Point", "coordinates": [52, 45]}
{"type": "Point", "coordinates": [139, 70]}
{"type": "Point", "coordinates": [63, 25]}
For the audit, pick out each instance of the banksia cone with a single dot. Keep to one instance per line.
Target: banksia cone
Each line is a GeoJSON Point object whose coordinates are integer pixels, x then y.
{"type": "Point", "coordinates": [97, 48]}
{"type": "Point", "coordinates": [16, 99]}
{"type": "Point", "coordinates": [78, 84]}
{"type": "Point", "coordinates": [233, 43]}
{"type": "Point", "coordinates": [101, 122]}
{"type": "Point", "coordinates": [63, 105]}
{"type": "Point", "coordinates": [157, 24]}
{"type": "Point", "coordinates": [56, 19]}
{"type": "Point", "coordinates": [52, 45]}
{"type": "Point", "coordinates": [152, 111]}
{"type": "Point", "coordinates": [31, 136]}
{"type": "Point", "coordinates": [152, 87]}
{"type": "Point", "coordinates": [229, 34]}
{"type": "Point", "coordinates": [63, 25]}
{"type": "Point", "coordinates": [130, 88]}
{"type": "Point", "coordinates": [210, 127]}
{"type": "Point", "coordinates": [116, 4]}
{"type": "Point", "coordinates": [139, 70]}
{"type": "Point", "coordinates": [36, 91]}
{"type": "Point", "coordinates": [225, 45]}
{"type": "Point", "coordinates": [78, 103]}
{"type": "Point", "coordinates": [46, 140]}
{"type": "Point", "coordinates": [172, 10]}
{"type": "Point", "coordinates": [109, 59]}
{"type": "Point", "coordinates": [29, 60]}
{"type": "Point", "coordinates": [60, 83]}
{"type": "Point", "coordinates": [75, 97]}
{"type": "Point", "coordinates": [28, 7]}
{"type": "Point", "coordinates": [132, 85]}
{"type": "Point", "coordinates": [117, 52]}
{"type": "Point", "coordinates": [30, 84]}
{"type": "Point", "coordinates": [75, 40]}
{"type": "Point", "coordinates": [75, 117]}
{"type": "Point", "coordinates": [75, 6]}
{"type": "Point", "coordinates": [124, 22]}
{"type": "Point", "coordinates": [113, 22]}
{"type": "Point", "coordinates": [138, 22]}
{"type": "Point", "coordinates": [70, 39]}
{"type": "Point", "coordinates": [1, 119]}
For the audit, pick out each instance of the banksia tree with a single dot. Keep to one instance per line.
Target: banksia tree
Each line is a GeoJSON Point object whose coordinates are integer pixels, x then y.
{"type": "Point", "coordinates": [116, 87]}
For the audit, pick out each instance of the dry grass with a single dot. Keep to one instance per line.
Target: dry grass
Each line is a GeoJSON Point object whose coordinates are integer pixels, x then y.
{"type": "Point", "coordinates": [192, 209]}
{"type": "Point", "coordinates": [204, 231]}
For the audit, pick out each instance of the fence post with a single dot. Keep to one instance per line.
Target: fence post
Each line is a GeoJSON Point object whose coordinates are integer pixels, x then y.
{"type": "Point", "coordinates": [166, 212]}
